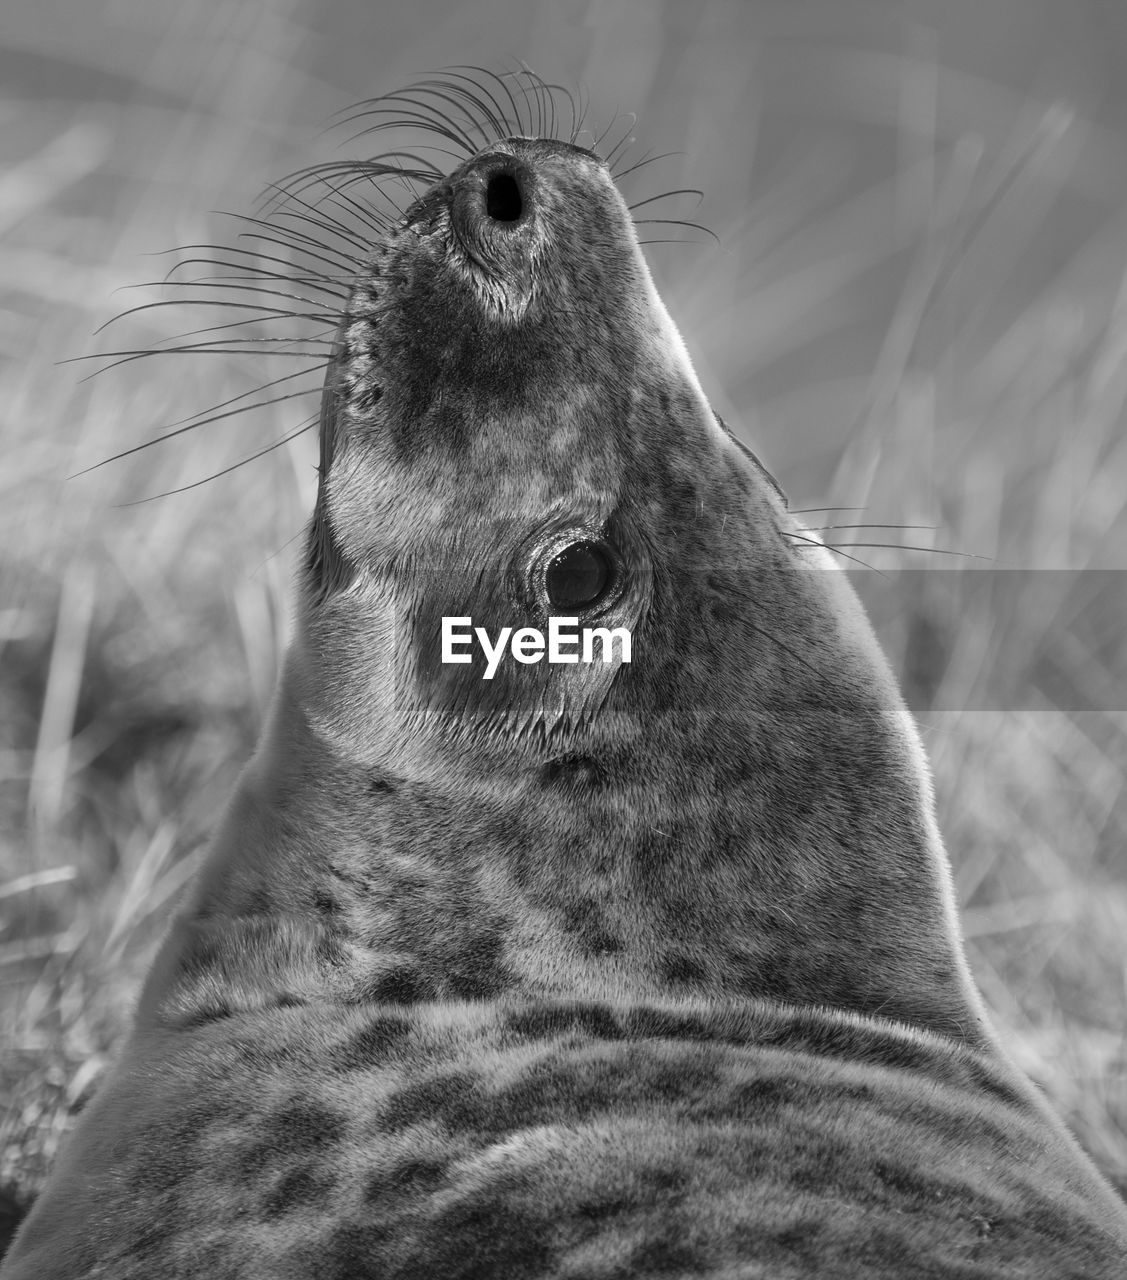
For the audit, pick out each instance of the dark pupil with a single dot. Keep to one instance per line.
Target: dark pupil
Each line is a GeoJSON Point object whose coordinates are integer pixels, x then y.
{"type": "Point", "coordinates": [577, 576]}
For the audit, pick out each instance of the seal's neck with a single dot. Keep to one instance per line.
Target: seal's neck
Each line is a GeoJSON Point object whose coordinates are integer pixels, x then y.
{"type": "Point", "coordinates": [584, 876]}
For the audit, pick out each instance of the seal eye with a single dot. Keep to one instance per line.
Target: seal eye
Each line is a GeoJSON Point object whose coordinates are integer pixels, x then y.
{"type": "Point", "coordinates": [579, 576]}
{"type": "Point", "coordinates": [502, 198]}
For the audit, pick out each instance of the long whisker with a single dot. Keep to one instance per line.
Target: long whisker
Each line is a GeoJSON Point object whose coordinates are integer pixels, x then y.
{"type": "Point", "coordinates": [679, 191]}
{"type": "Point", "coordinates": [202, 422]}
{"type": "Point", "coordinates": [624, 141]}
{"type": "Point", "coordinates": [233, 347]}
{"type": "Point", "coordinates": [495, 113]}
{"type": "Point", "coordinates": [901, 546]}
{"type": "Point", "coordinates": [231, 285]}
{"type": "Point", "coordinates": [246, 260]}
{"type": "Point", "coordinates": [261, 453]}
{"type": "Point", "coordinates": [677, 222]}
{"type": "Point", "coordinates": [802, 511]}
{"type": "Point", "coordinates": [815, 542]}
{"type": "Point", "coordinates": [822, 528]}
{"type": "Point", "coordinates": [619, 174]}
{"type": "Point", "coordinates": [298, 240]}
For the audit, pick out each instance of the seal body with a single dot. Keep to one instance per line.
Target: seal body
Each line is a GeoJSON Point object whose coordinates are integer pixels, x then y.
{"type": "Point", "coordinates": [590, 968]}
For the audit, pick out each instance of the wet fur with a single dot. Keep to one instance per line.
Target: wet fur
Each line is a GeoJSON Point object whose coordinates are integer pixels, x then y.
{"type": "Point", "coordinates": [596, 970]}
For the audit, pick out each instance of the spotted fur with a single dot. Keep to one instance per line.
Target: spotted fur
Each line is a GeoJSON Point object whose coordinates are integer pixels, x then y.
{"type": "Point", "coordinates": [593, 970]}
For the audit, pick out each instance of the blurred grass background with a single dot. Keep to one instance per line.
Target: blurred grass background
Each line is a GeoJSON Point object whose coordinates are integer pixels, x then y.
{"type": "Point", "coordinates": [917, 308]}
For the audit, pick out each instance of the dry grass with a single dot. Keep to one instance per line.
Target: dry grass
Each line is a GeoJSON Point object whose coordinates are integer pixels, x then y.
{"type": "Point", "coordinates": [918, 310]}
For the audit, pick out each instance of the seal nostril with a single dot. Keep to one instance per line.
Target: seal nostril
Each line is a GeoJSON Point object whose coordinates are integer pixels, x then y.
{"type": "Point", "coordinates": [502, 198]}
